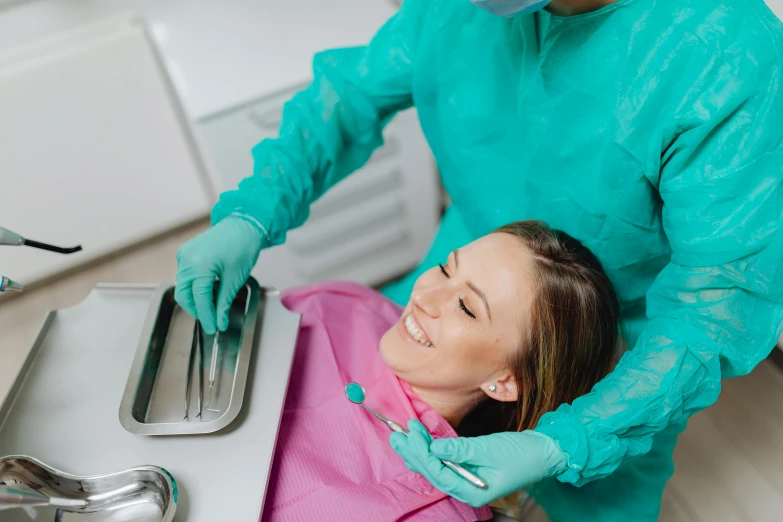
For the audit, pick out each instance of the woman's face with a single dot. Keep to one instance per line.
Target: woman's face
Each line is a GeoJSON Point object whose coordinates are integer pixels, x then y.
{"type": "Point", "coordinates": [464, 320]}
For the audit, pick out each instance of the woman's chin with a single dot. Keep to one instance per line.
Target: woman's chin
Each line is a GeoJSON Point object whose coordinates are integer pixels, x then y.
{"type": "Point", "coordinates": [397, 354]}
{"type": "Point", "coordinates": [388, 350]}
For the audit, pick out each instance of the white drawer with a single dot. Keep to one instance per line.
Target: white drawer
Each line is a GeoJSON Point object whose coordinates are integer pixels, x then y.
{"type": "Point", "coordinates": [230, 136]}
{"type": "Point", "coordinates": [372, 226]}
{"type": "Point", "coordinates": [362, 217]}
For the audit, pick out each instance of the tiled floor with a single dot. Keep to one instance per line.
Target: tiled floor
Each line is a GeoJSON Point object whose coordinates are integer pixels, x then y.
{"type": "Point", "coordinates": [729, 461]}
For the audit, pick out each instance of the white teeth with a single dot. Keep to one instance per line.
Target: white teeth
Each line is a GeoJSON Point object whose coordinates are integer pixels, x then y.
{"type": "Point", "coordinates": [415, 332]}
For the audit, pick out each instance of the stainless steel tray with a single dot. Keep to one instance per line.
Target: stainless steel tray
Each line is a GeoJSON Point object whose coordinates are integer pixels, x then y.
{"type": "Point", "coordinates": [154, 402]}
{"type": "Point", "coordinates": [141, 494]}
{"type": "Point", "coordinates": [62, 408]}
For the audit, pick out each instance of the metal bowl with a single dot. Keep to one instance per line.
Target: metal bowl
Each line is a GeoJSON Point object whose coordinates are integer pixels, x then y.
{"type": "Point", "coordinates": [142, 494]}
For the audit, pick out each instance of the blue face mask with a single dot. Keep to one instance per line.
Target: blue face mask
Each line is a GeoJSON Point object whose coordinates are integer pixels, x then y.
{"type": "Point", "coordinates": [508, 8]}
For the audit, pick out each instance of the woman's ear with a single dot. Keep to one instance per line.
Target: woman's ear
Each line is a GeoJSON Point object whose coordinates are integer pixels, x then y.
{"type": "Point", "coordinates": [503, 388]}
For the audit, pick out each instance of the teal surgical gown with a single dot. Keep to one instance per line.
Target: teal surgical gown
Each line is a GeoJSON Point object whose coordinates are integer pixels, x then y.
{"type": "Point", "coordinates": [651, 130]}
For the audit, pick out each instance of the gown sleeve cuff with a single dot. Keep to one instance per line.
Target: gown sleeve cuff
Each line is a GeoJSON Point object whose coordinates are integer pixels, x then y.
{"type": "Point", "coordinates": [571, 438]}
{"type": "Point", "coordinates": [219, 213]}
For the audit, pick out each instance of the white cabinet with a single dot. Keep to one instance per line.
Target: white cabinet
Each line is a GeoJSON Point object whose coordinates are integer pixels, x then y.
{"type": "Point", "coordinates": [94, 148]}
{"type": "Point", "coordinates": [373, 226]}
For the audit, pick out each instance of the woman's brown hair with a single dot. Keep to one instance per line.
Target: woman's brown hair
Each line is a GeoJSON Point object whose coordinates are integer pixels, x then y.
{"type": "Point", "coordinates": [570, 339]}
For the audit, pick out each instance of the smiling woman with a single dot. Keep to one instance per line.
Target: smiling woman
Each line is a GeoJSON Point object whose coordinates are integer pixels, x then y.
{"type": "Point", "coordinates": [510, 327]}
{"type": "Point", "coordinates": [517, 322]}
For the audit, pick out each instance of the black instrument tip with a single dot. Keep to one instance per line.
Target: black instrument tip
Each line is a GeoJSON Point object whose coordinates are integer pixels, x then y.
{"type": "Point", "coordinates": [52, 248]}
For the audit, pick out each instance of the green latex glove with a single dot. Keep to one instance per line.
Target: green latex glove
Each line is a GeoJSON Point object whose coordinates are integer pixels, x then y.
{"type": "Point", "coordinates": [507, 462]}
{"type": "Point", "coordinates": [227, 251]}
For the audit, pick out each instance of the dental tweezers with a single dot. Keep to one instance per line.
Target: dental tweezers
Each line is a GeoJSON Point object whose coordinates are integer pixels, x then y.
{"type": "Point", "coordinates": [213, 369]}
{"type": "Point", "coordinates": [196, 351]}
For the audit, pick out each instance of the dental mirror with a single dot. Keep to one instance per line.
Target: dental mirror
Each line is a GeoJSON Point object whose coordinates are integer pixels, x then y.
{"type": "Point", "coordinates": [355, 393]}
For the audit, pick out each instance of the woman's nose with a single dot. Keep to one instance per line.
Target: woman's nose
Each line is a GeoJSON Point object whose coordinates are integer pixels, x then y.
{"type": "Point", "coordinates": [430, 299]}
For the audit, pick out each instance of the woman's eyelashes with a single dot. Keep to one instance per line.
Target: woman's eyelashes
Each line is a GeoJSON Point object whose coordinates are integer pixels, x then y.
{"type": "Point", "coordinates": [465, 309]}
{"type": "Point", "coordinates": [462, 306]}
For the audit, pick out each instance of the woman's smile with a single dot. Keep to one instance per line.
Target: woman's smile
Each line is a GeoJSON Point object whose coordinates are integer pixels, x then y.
{"type": "Point", "coordinates": [411, 330]}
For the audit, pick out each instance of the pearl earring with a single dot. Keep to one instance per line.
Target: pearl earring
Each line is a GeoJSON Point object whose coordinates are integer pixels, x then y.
{"type": "Point", "coordinates": [493, 388]}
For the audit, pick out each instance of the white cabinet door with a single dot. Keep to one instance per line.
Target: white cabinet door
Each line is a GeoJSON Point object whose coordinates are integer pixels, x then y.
{"type": "Point", "coordinates": [93, 148]}
{"type": "Point", "coordinates": [371, 227]}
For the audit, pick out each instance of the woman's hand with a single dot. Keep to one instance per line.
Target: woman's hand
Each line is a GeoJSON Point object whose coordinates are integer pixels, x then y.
{"type": "Point", "coordinates": [507, 462]}
{"type": "Point", "coordinates": [228, 251]}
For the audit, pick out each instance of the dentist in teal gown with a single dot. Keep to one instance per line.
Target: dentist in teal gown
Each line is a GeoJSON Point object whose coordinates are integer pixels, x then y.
{"type": "Point", "coordinates": [651, 130]}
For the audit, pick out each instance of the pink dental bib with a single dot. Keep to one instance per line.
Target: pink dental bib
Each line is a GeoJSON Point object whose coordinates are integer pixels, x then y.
{"type": "Point", "coordinates": [333, 461]}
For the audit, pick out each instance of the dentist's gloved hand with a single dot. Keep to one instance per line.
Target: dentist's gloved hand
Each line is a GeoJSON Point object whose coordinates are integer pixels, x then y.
{"type": "Point", "coordinates": [228, 251]}
{"type": "Point", "coordinates": [507, 462]}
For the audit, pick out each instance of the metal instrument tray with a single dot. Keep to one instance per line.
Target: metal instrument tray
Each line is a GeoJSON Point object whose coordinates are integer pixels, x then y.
{"type": "Point", "coordinates": [154, 402]}
{"type": "Point", "coordinates": [141, 494]}
{"type": "Point", "coordinates": [62, 407]}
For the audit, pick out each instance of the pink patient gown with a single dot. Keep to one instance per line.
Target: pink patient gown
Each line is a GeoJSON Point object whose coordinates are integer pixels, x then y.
{"type": "Point", "coordinates": [333, 461]}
